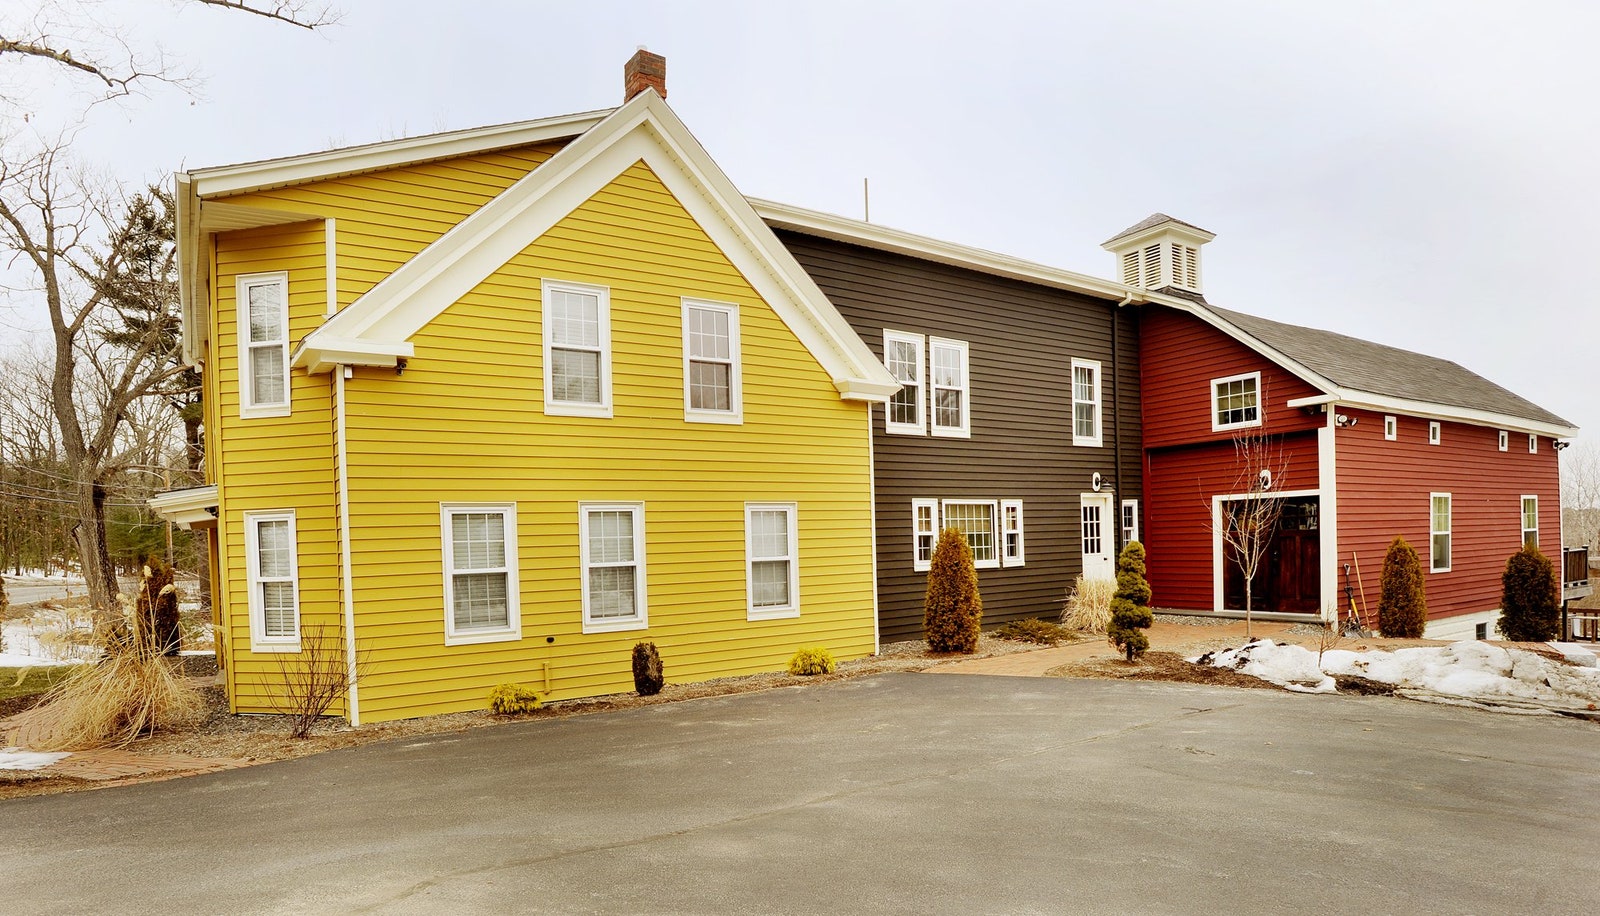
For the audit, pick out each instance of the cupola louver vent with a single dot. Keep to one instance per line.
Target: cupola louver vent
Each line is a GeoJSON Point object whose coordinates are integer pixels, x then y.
{"type": "Point", "coordinates": [1160, 252]}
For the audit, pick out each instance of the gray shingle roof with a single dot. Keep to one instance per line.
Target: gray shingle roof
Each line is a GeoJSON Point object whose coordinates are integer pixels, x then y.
{"type": "Point", "coordinates": [1154, 219]}
{"type": "Point", "coordinates": [1362, 365]}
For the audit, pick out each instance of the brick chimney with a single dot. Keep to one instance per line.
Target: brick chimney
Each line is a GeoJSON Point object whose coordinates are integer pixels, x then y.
{"type": "Point", "coordinates": [644, 71]}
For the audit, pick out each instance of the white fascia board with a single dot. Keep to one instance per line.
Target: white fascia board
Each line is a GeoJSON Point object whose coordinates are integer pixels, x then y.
{"type": "Point", "coordinates": [273, 173]}
{"type": "Point", "coordinates": [325, 353]}
{"type": "Point", "coordinates": [882, 238]}
{"type": "Point", "coordinates": [188, 507]}
{"type": "Point", "coordinates": [191, 269]}
{"type": "Point", "coordinates": [642, 130]}
{"type": "Point", "coordinates": [1428, 410]}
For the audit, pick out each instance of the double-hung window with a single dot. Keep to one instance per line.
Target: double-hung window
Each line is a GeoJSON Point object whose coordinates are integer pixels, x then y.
{"type": "Point", "coordinates": [274, 581]}
{"type": "Point", "coordinates": [772, 571]}
{"type": "Point", "coordinates": [1012, 548]}
{"type": "Point", "coordinates": [1130, 521]}
{"type": "Point", "coordinates": [924, 532]}
{"type": "Point", "coordinates": [903, 357]}
{"type": "Point", "coordinates": [577, 349]}
{"type": "Point", "coordinates": [263, 305]}
{"type": "Point", "coordinates": [976, 520]}
{"type": "Point", "coordinates": [711, 370]}
{"type": "Point", "coordinates": [612, 540]}
{"type": "Point", "coordinates": [947, 361]}
{"type": "Point", "coordinates": [1530, 521]}
{"type": "Point", "coordinates": [480, 573]}
{"type": "Point", "coordinates": [1439, 532]}
{"type": "Point", "coordinates": [1085, 402]}
{"type": "Point", "coordinates": [1236, 401]}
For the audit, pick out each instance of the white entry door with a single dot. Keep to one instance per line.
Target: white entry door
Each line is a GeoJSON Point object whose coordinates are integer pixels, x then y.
{"type": "Point", "coordinates": [1099, 539]}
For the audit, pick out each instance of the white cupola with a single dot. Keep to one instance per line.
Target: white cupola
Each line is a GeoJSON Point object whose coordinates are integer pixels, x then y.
{"type": "Point", "coordinates": [1158, 252]}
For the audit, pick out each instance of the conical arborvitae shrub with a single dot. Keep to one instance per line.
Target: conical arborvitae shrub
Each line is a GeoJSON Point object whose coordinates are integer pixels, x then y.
{"type": "Point", "coordinates": [953, 611]}
{"type": "Point", "coordinates": [1130, 612]}
{"type": "Point", "coordinates": [648, 675]}
{"type": "Point", "coordinates": [1529, 598]}
{"type": "Point", "coordinates": [1402, 603]}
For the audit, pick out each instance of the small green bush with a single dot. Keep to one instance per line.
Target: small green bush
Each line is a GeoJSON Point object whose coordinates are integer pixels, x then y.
{"type": "Point", "coordinates": [1402, 603]}
{"type": "Point", "coordinates": [648, 675]}
{"type": "Point", "coordinates": [1130, 612]}
{"type": "Point", "coordinates": [1043, 632]}
{"type": "Point", "coordinates": [953, 610]}
{"type": "Point", "coordinates": [513, 700]}
{"type": "Point", "coordinates": [1530, 604]}
{"type": "Point", "coordinates": [809, 660]}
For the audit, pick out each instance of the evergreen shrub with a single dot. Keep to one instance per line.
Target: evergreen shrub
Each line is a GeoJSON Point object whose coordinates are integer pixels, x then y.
{"type": "Point", "coordinates": [1130, 611]}
{"type": "Point", "coordinates": [1033, 629]}
{"type": "Point", "coordinates": [809, 660]}
{"type": "Point", "coordinates": [513, 700]}
{"type": "Point", "coordinates": [1530, 603]}
{"type": "Point", "coordinates": [1402, 602]}
{"type": "Point", "coordinates": [952, 610]}
{"type": "Point", "coordinates": [648, 677]}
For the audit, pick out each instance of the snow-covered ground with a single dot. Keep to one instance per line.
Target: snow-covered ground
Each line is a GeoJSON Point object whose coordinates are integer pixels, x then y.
{"type": "Point", "coordinates": [15, 759]}
{"type": "Point", "coordinates": [1469, 672]}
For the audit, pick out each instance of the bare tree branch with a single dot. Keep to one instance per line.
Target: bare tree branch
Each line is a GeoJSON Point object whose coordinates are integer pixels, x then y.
{"type": "Point", "coordinates": [310, 16]}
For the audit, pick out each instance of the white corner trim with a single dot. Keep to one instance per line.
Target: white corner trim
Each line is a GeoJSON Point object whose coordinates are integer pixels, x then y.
{"type": "Point", "coordinates": [1328, 514]}
{"type": "Point", "coordinates": [346, 580]}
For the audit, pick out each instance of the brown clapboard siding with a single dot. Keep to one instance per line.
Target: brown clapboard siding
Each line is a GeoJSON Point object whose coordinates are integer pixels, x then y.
{"type": "Point", "coordinates": [1021, 338]}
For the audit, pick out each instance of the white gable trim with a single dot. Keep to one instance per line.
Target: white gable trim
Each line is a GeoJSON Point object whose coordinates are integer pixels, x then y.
{"type": "Point", "coordinates": [643, 130]}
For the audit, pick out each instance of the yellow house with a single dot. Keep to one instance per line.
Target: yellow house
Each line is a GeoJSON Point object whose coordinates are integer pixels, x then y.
{"type": "Point", "coordinates": [492, 406]}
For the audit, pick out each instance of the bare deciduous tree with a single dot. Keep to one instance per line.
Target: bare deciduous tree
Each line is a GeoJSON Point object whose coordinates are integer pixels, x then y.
{"type": "Point", "coordinates": [1248, 520]}
{"type": "Point", "coordinates": [1580, 494]}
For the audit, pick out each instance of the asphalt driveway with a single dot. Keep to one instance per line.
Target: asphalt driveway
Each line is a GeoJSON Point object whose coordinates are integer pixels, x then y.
{"type": "Point", "coordinates": [898, 794]}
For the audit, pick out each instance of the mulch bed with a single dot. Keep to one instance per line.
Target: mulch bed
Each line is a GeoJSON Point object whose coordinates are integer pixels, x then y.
{"type": "Point", "coordinates": [1159, 666]}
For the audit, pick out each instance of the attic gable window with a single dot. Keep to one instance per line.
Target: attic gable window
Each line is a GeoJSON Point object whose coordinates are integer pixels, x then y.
{"type": "Point", "coordinates": [263, 306]}
{"type": "Point", "coordinates": [577, 349]}
{"type": "Point", "coordinates": [1235, 401]}
{"type": "Point", "coordinates": [711, 370]}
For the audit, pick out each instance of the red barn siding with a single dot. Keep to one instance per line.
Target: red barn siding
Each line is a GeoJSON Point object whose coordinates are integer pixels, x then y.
{"type": "Point", "coordinates": [1384, 491]}
{"type": "Point", "coordinates": [1180, 356]}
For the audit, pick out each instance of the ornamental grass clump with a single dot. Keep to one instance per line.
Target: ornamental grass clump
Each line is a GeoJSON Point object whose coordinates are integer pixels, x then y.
{"type": "Point", "coordinates": [648, 675]}
{"type": "Point", "coordinates": [953, 610]}
{"type": "Point", "coordinates": [1089, 605]}
{"type": "Point", "coordinates": [1402, 603]}
{"type": "Point", "coordinates": [1530, 603]}
{"type": "Point", "coordinates": [812, 660]}
{"type": "Point", "coordinates": [1130, 611]}
{"type": "Point", "coordinates": [513, 700]}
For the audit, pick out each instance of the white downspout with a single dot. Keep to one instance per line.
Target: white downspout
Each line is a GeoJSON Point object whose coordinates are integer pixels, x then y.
{"type": "Point", "coordinates": [352, 698]}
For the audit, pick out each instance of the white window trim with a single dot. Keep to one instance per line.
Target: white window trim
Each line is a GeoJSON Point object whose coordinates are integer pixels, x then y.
{"type": "Point", "coordinates": [735, 413]}
{"type": "Point", "coordinates": [775, 612]}
{"type": "Point", "coordinates": [641, 618]}
{"type": "Point", "coordinates": [1021, 558]}
{"type": "Point", "coordinates": [513, 629]}
{"type": "Point", "coordinates": [1533, 444]}
{"type": "Point", "coordinates": [1391, 428]}
{"type": "Point", "coordinates": [920, 344]}
{"type": "Point", "coordinates": [1261, 407]}
{"type": "Point", "coordinates": [964, 431]}
{"type": "Point", "coordinates": [259, 640]}
{"type": "Point", "coordinates": [553, 407]}
{"type": "Point", "coordinates": [918, 565]}
{"type": "Point", "coordinates": [1435, 432]}
{"type": "Point", "coordinates": [1504, 441]}
{"type": "Point", "coordinates": [994, 527]}
{"type": "Point", "coordinates": [1433, 565]}
{"type": "Point", "coordinates": [248, 409]}
{"type": "Point", "coordinates": [1522, 515]}
{"type": "Point", "coordinates": [1098, 438]}
{"type": "Point", "coordinates": [1135, 535]}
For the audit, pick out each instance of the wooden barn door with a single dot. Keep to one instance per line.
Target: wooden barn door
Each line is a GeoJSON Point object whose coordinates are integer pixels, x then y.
{"type": "Point", "coordinates": [1290, 578]}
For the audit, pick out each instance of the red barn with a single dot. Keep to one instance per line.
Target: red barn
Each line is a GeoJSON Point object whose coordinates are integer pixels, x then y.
{"type": "Point", "coordinates": [1360, 441]}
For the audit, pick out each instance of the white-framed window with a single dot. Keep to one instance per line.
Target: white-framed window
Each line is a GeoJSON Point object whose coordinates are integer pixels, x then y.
{"type": "Point", "coordinates": [1435, 434]}
{"type": "Point", "coordinates": [711, 367]}
{"type": "Point", "coordinates": [1504, 440]}
{"type": "Point", "coordinates": [1236, 401]}
{"type": "Point", "coordinates": [577, 349]}
{"type": "Point", "coordinates": [949, 386]}
{"type": "Point", "coordinates": [1530, 521]}
{"type": "Point", "coordinates": [1130, 521]}
{"type": "Point", "coordinates": [611, 538]}
{"type": "Point", "coordinates": [1439, 532]}
{"type": "Point", "coordinates": [274, 574]}
{"type": "Point", "coordinates": [263, 307]}
{"type": "Point", "coordinates": [903, 357]}
{"type": "Point", "coordinates": [1391, 428]}
{"type": "Point", "coordinates": [975, 518]}
{"type": "Point", "coordinates": [1086, 402]}
{"type": "Point", "coordinates": [1013, 549]}
{"type": "Point", "coordinates": [1533, 444]}
{"type": "Point", "coordinates": [480, 573]}
{"type": "Point", "coordinates": [924, 532]}
{"type": "Point", "coordinates": [772, 561]}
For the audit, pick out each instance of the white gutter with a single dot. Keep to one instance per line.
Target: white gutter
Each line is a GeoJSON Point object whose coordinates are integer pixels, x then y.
{"type": "Point", "coordinates": [1429, 410]}
{"type": "Point", "coordinates": [352, 698]}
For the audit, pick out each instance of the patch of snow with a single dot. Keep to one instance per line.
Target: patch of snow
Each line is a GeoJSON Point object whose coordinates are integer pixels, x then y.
{"type": "Point", "coordinates": [15, 759]}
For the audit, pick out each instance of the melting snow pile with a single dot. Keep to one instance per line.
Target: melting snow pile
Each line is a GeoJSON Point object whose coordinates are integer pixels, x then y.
{"type": "Point", "coordinates": [16, 759]}
{"type": "Point", "coordinates": [1468, 670]}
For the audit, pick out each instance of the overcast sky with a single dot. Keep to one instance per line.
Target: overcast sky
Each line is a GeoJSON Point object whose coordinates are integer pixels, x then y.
{"type": "Point", "coordinates": [1422, 174]}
